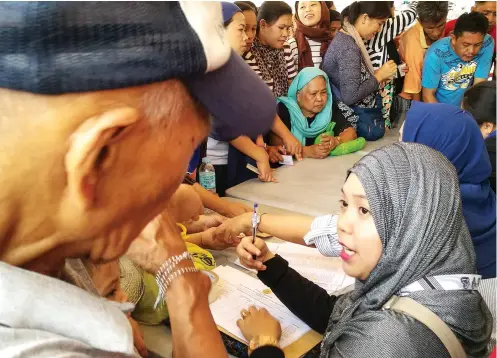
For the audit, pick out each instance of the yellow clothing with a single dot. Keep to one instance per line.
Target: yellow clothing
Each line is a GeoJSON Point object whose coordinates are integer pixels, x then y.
{"type": "Point", "coordinates": [412, 49]}
{"type": "Point", "coordinates": [144, 310]}
{"type": "Point", "coordinates": [202, 259]}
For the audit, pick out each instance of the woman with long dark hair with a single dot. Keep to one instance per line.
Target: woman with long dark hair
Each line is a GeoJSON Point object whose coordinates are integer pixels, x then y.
{"type": "Point", "coordinates": [312, 35]}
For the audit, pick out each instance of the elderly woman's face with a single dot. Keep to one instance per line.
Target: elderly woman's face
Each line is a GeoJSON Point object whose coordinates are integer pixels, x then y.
{"type": "Point", "coordinates": [362, 247]}
{"type": "Point", "coordinates": [236, 33]}
{"type": "Point", "coordinates": [313, 97]}
{"type": "Point", "coordinates": [309, 12]}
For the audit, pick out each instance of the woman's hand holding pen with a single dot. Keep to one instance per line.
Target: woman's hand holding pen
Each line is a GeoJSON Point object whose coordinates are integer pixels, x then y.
{"type": "Point", "coordinates": [248, 248]}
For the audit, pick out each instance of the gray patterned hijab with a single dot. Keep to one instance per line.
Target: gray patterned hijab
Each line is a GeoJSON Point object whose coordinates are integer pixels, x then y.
{"type": "Point", "coordinates": [413, 193]}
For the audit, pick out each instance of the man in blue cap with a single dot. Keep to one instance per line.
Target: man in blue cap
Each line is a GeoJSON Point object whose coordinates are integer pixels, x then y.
{"type": "Point", "coordinates": [102, 104]}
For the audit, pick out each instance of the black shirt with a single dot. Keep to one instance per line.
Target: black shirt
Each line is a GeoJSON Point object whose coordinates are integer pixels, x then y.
{"type": "Point", "coordinates": [311, 303]}
{"type": "Point", "coordinates": [337, 117]}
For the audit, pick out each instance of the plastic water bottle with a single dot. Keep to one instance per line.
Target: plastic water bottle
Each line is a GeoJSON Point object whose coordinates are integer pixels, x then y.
{"type": "Point", "coordinates": [207, 175]}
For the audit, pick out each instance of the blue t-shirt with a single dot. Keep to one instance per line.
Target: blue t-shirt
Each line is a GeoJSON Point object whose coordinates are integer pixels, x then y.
{"type": "Point", "coordinates": [450, 75]}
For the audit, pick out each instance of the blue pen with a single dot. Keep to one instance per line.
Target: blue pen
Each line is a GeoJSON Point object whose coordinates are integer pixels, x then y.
{"type": "Point", "coordinates": [254, 226]}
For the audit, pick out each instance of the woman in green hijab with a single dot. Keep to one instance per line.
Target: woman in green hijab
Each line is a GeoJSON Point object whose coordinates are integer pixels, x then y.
{"type": "Point", "coordinates": [308, 111]}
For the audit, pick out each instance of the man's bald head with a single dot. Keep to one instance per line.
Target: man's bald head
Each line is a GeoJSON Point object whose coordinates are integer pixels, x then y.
{"type": "Point", "coordinates": [79, 165]}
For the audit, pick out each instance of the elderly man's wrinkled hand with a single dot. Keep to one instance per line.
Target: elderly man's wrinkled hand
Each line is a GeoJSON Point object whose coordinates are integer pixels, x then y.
{"type": "Point", "coordinates": [212, 239]}
{"type": "Point", "coordinates": [159, 241]}
{"type": "Point", "coordinates": [231, 229]}
{"type": "Point", "coordinates": [204, 222]}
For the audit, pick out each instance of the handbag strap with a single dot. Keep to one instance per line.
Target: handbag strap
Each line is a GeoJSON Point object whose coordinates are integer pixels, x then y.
{"type": "Point", "coordinates": [424, 315]}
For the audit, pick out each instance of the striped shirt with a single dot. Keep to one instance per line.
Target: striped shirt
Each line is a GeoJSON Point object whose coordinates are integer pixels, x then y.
{"type": "Point", "coordinates": [393, 27]}
{"type": "Point", "coordinates": [324, 235]}
{"type": "Point", "coordinates": [487, 291]}
{"type": "Point", "coordinates": [315, 51]}
{"type": "Point", "coordinates": [289, 62]}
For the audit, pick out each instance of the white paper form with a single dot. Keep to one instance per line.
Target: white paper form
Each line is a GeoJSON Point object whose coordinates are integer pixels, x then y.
{"type": "Point", "coordinates": [238, 291]}
{"type": "Point", "coordinates": [324, 271]}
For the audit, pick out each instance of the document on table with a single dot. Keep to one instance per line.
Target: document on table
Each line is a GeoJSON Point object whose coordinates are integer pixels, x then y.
{"type": "Point", "coordinates": [324, 271]}
{"type": "Point", "coordinates": [237, 291]}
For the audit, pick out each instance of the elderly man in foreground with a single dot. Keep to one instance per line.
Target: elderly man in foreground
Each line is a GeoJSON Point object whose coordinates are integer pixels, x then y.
{"type": "Point", "coordinates": [102, 104]}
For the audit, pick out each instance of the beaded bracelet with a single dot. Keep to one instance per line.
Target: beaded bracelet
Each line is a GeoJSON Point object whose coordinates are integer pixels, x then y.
{"type": "Point", "coordinates": [168, 265]}
{"type": "Point", "coordinates": [165, 272]}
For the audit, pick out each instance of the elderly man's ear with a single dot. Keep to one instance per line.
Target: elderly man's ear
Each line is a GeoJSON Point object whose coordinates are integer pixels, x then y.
{"type": "Point", "coordinates": [93, 150]}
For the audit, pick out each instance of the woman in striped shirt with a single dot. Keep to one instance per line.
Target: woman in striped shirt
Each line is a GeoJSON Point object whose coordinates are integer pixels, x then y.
{"type": "Point", "coordinates": [347, 62]}
{"type": "Point", "coordinates": [378, 53]}
{"type": "Point", "coordinates": [270, 57]}
{"type": "Point", "coordinates": [312, 35]}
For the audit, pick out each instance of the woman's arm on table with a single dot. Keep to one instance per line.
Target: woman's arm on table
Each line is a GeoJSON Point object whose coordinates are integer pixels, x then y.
{"type": "Point", "coordinates": [293, 146]}
{"type": "Point", "coordinates": [248, 147]}
{"type": "Point", "coordinates": [290, 228]}
{"type": "Point", "coordinates": [320, 232]}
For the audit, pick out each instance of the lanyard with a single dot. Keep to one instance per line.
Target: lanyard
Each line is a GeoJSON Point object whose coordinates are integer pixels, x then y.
{"type": "Point", "coordinates": [443, 282]}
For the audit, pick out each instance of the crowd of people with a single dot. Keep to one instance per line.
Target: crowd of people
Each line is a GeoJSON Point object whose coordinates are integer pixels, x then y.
{"type": "Point", "coordinates": [103, 226]}
{"type": "Point", "coordinates": [372, 65]}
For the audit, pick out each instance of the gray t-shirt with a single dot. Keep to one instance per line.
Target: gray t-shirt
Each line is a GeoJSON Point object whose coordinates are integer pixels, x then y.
{"type": "Point", "coordinates": [41, 316]}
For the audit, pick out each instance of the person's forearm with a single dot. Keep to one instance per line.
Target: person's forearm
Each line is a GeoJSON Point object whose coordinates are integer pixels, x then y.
{"type": "Point", "coordinates": [280, 129]}
{"type": "Point", "coordinates": [290, 228]}
{"type": "Point", "coordinates": [416, 96]}
{"type": "Point", "coordinates": [193, 329]}
{"type": "Point", "coordinates": [347, 135]}
{"type": "Point", "coordinates": [210, 200]}
{"type": "Point", "coordinates": [275, 140]}
{"type": "Point", "coordinates": [429, 97]}
{"type": "Point", "coordinates": [305, 299]}
{"type": "Point", "coordinates": [248, 147]}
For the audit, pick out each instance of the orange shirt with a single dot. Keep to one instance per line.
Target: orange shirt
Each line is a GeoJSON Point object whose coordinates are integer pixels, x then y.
{"type": "Point", "coordinates": [412, 49]}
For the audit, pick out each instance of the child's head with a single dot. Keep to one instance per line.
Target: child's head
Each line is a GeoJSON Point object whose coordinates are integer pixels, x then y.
{"type": "Point", "coordinates": [479, 100]}
{"type": "Point", "coordinates": [105, 278]}
{"type": "Point", "coordinates": [185, 205]}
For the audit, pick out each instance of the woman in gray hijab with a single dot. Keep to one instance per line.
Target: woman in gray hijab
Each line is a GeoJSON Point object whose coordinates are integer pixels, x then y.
{"type": "Point", "coordinates": [403, 234]}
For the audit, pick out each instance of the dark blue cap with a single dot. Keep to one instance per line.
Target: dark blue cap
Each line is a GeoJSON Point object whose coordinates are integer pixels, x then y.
{"type": "Point", "coordinates": [65, 47]}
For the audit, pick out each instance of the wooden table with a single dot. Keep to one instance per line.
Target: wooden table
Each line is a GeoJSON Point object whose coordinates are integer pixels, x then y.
{"type": "Point", "coordinates": [310, 187]}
